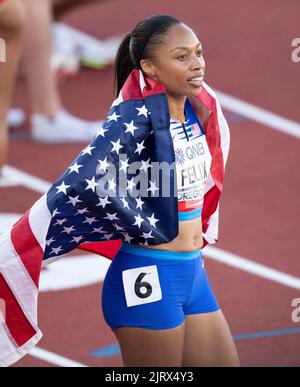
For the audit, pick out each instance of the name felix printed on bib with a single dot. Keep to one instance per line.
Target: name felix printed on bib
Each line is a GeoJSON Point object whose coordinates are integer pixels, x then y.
{"type": "Point", "coordinates": [192, 162]}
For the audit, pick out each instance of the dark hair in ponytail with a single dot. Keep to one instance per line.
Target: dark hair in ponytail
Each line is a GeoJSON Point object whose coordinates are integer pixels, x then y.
{"type": "Point", "coordinates": [140, 44]}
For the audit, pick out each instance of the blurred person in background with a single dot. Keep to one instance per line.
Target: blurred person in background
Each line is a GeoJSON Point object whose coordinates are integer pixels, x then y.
{"type": "Point", "coordinates": [54, 50]}
{"type": "Point", "coordinates": [50, 122]}
{"type": "Point", "coordinates": [12, 19]}
{"type": "Point", "coordinates": [73, 48]}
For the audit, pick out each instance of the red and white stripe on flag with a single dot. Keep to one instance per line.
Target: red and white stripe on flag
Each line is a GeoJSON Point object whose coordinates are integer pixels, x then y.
{"type": "Point", "coordinates": [20, 270]}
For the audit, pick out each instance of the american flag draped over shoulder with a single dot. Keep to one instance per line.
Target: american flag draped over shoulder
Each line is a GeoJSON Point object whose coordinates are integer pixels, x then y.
{"type": "Point", "coordinates": [85, 209]}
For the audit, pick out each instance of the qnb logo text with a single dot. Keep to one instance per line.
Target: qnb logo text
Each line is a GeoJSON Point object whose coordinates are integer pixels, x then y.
{"type": "Point", "coordinates": [296, 51]}
{"type": "Point", "coordinates": [296, 312]}
{"type": "Point", "coordinates": [2, 50]}
{"type": "Point", "coordinates": [2, 310]}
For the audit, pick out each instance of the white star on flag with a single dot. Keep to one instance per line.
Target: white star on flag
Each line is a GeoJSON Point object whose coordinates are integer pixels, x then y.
{"type": "Point", "coordinates": [131, 184]}
{"type": "Point", "coordinates": [153, 187]}
{"type": "Point", "coordinates": [117, 227]}
{"type": "Point", "coordinates": [111, 216]}
{"type": "Point", "coordinates": [139, 203]}
{"type": "Point", "coordinates": [101, 132]}
{"type": "Point", "coordinates": [107, 236]}
{"type": "Point", "coordinates": [103, 202]}
{"type": "Point", "coordinates": [103, 164]}
{"type": "Point", "coordinates": [60, 222]}
{"type": "Point", "coordinates": [99, 230]}
{"type": "Point", "coordinates": [88, 150]}
{"type": "Point", "coordinates": [152, 220]}
{"type": "Point", "coordinates": [113, 117]}
{"type": "Point", "coordinates": [68, 230]}
{"type": "Point", "coordinates": [130, 128]}
{"type": "Point", "coordinates": [77, 239]}
{"type": "Point", "coordinates": [74, 201]}
{"type": "Point", "coordinates": [143, 111]}
{"type": "Point", "coordinates": [62, 188]}
{"type": "Point", "coordinates": [81, 212]}
{"type": "Point", "coordinates": [56, 250]}
{"type": "Point", "coordinates": [138, 220]}
{"type": "Point", "coordinates": [75, 168]}
{"type": "Point", "coordinates": [140, 147]}
{"type": "Point", "coordinates": [125, 203]}
{"type": "Point", "coordinates": [49, 241]}
{"type": "Point", "coordinates": [124, 165]}
{"type": "Point", "coordinates": [116, 146]}
{"type": "Point", "coordinates": [91, 184]}
{"type": "Point", "coordinates": [146, 165]}
{"type": "Point", "coordinates": [127, 237]}
{"type": "Point", "coordinates": [90, 220]}
{"type": "Point", "coordinates": [147, 236]}
{"type": "Point", "coordinates": [111, 184]}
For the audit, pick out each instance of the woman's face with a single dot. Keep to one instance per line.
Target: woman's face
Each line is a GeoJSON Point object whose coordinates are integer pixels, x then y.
{"type": "Point", "coordinates": [178, 63]}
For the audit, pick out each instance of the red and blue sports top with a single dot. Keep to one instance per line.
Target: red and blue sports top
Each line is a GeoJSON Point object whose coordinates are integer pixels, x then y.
{"type": "Point", "coordinates": [193, 162]}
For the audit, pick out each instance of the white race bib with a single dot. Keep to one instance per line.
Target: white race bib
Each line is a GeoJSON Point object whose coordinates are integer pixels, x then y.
{"type": "Point", "coordinates": [141, 285]}
{"type": "Point", "coordinates": [193, 162]}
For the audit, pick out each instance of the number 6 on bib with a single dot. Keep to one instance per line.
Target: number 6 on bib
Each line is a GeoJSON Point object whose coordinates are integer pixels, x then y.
{"type": "Point", "coordinates": [141, 285]}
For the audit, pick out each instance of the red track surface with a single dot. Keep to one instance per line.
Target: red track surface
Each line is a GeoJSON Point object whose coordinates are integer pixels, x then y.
{"type": "Point", "coordinates": [248, 55]}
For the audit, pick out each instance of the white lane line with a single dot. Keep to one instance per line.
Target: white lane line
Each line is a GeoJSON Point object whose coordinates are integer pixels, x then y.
{"type": "Point", "coordinates": [251, 267]}
{"type": "Point", "coordinates": [260, 115]}
{"type": "Point", "coordinates": [25, 179]}
{"type": "Point", "coordinates": [7, 182]}
{"type": "Point", "coordinates": [53, 358]}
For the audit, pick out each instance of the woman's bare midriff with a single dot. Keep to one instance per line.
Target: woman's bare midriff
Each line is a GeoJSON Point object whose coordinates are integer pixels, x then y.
{"type": "Point", "coordinates": [189, 237]}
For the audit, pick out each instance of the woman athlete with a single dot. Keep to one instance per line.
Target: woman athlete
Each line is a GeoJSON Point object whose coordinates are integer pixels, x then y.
{"type": "Point", "coordinates": [156, 296]}
{"type": "Point", "coordinates": [181, 324]}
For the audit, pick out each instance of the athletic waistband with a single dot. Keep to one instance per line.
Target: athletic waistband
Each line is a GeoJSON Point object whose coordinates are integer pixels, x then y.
{"type": "Point", "coordinates": [188, 215]}
{"type": "Point", "coordinates": [157, 253]}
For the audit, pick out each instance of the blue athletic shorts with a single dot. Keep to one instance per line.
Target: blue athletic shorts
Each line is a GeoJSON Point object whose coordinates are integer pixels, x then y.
{"type": "Point", "coordinates": [155, 289]}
